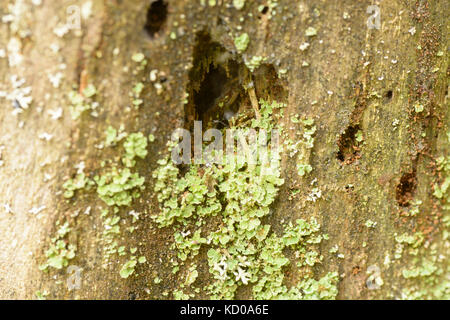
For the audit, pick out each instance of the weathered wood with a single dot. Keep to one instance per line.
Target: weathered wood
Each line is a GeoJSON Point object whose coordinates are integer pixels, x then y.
{"type": "Point", "coordinates": [352, 80]}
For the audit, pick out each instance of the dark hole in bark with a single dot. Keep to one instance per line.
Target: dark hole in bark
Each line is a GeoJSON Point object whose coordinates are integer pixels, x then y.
{"type": "Point", "coordinates": [263, 12]}
{"type": "Point", "coordinates": [212, 88]}
{"type": "Point", "coordinates": [217, 94]}
{"type": "Point", "coordinates": [156, 16]}
{"type": "Point", "coordinates": [389, 94]}
{"type": "Point", "coordinates": [405, 189]}
{"type": "Point", "coordinates": [348, 146]}
{"type": "Point", "coordinates": [213, 81]}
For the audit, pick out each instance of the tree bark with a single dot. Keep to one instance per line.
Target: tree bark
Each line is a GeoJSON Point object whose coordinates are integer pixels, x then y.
{"type": "Point", "coordinates": [379, 99]}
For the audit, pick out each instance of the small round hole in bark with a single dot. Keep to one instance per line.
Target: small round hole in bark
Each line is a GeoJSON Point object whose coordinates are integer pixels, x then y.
{"type": "Point", "coordinates": [156, 16]}
{"type": "Point", "coordinates": [405, 189]}
{"type": "Point", "coordinates": [389, 95]}
{"type": "Point", "coordinates": [348, 145]}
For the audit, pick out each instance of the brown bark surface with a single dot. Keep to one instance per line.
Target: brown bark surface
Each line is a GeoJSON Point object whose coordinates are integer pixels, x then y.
{"type": "Point", "coordinates": [357, 81]}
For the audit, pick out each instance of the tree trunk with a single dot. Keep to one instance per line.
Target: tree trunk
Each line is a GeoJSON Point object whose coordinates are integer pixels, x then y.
{"type": "Point", "coordinates": [375, 178]}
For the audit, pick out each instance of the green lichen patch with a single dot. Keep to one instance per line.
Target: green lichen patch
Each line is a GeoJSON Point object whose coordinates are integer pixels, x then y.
{"type": "Point", "coordinates": [303, 147]}
{"type": "Point", "coordinates": [60, 252]}
{"type": "Point", "coordinates": [135, 94]}
{"type": "Point", "coordinates": [427, 275]}
{"type": "Point", "coordinates": [254, 62]}
{"type": "Point", "coordinates": [116, 185]}
{"type": "Point", "coordinates": [427, 278]}
{"type": "Point", "coordinates": [239, 4]}
{"type": "Point", "coordinates": [441, 190]}
{"type": "Point", "coordinates": [241, 42]}
{"type": "Point", "coordinates": [129, 266]}
{"type": "Point", "coordinates": [138, 57]}
{"type": "Point", "coordinates": [82, 102]}
{"type": "Point", "coordinates": [311, 32]}
{"type": "Point", "coordinates": [79, 182]}
{"type": "Point", "coordinates": [119, 186]}
{"type": "Point", "coordinates": [41, 295]}
{"type": "Point", "coordinates": [114, 136]}
{"type": "Point", "coordinates": [135, 146]}
{"type": "Point", "coordinates": [242, 248]}
{"type": "Point", "coordinates": [111, 230]}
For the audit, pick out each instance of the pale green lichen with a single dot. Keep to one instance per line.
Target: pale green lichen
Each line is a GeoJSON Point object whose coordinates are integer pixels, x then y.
{"type": "Point", "coordinates": [128, 268]}
{"type": "Point", "coordinates": [111, 229]}
{"type": "Point", "coordinates": [180, 295]}
{"type": "Point", "coordinates": [136, 91]}
{"type": "Point", "coordinates": [370, 224]}
{"type": "Point", "coordinates": [242, 249]}
{"type": "Point", "coordinates": [119, 186]}
{"type": "Point", "coordinates": [82, 102]}
{"type": "Point", "coordinates": [254, 62]}
{"type": "Point", "coordinates": [41, 295]}
{"type": "Point", "coordinates": [191, 276]}
{"type": "Point", "coordinates": [114, 136]}
{"type": "Point", "coordinates": [418, 107]}
{"type": "Point", "coordinates": [311, 32]}
{"type": "Point", "coordinates": [138, 57]}
{"type": "Point", "coordinates": [135, 94]}
{"type": "Point", "coordinates": [79, 182]}
{"type": "Point", "coordinates": [303, 146]}
{"type": "Point", "coordinates": [303, 169]}
{"type": "Point", "coordinates": [135, 146]}
{"type": "Point", "coordinates": [239, 4]}
{"type": "Point", "coordinates": [441, 190]}
{"type": "Point", "coordinates": [428, 280]}
{"type": "Point", "coordinates": [60, 252]}
{"type": "Point", "coordinates": [413, 241]}
{"type": "Point", "coordinates": [426, 269]}
{"type": "Point", "coordinates": [241, 42]}
{"type": "Point", "coordinates": [116, 186]}
{"type": "Point", "coordinates": [415, 207]}
{"type": "Point", "coordinates": [359, 136]}
{"type": "Point", "coordinates": [428, 274]}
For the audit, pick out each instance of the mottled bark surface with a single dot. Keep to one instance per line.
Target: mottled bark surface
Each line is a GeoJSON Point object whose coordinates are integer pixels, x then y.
{"type": "Point", "coordinates": [374, 155]}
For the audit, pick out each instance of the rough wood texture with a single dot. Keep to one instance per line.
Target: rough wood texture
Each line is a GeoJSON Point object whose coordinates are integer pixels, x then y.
{"type": "Point", "coordinates": [357, 79]}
